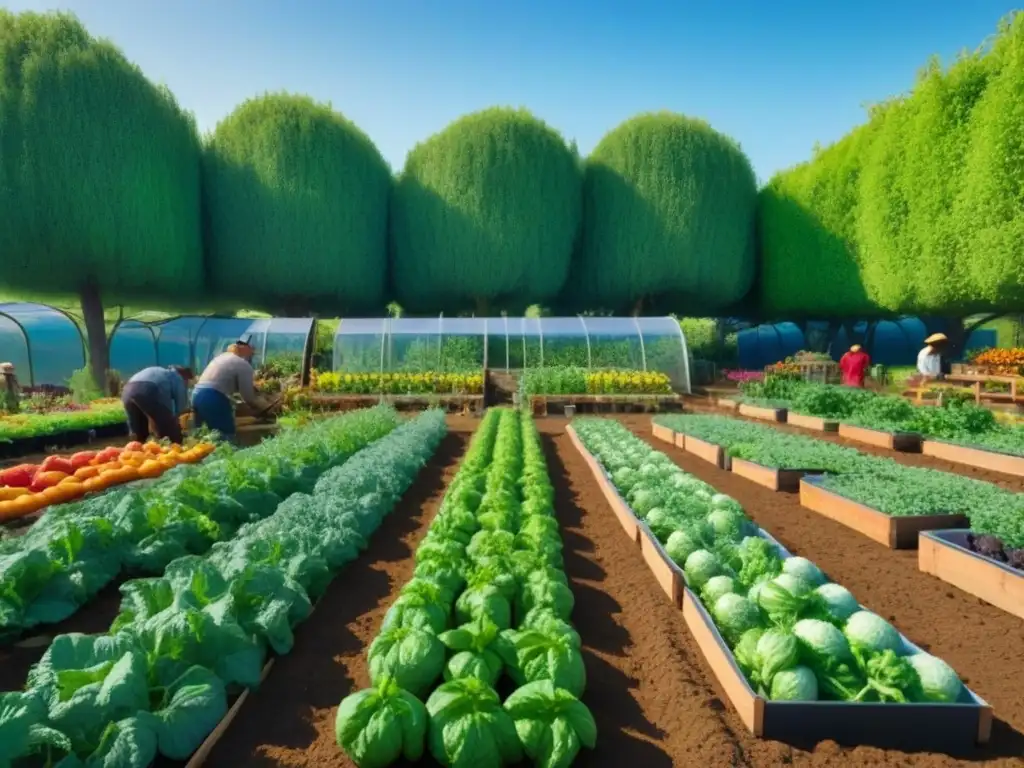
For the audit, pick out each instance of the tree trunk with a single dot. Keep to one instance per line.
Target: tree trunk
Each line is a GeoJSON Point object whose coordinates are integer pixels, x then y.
{"type": "Point", "coordinates": [481, 307]}
{"type": "Point", "coordinates": [96, 334]}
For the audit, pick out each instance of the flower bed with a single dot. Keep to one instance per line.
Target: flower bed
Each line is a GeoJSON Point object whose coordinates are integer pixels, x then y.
{"type": "Point", "coordinates": [773, 627]}
{"type": "Point", "coordinates": [425, 383]}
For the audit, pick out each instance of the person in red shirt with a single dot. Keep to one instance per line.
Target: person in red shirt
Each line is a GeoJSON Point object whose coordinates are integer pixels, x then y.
{"type": "Point", "coordinates": [854, 366]}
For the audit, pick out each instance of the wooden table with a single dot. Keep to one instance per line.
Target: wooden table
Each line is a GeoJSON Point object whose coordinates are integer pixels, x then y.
{"type": "Point", "coordinates": [976, 383]}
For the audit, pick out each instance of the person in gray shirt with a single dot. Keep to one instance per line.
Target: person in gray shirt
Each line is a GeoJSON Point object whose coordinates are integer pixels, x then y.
{"type": "Point", "coordinates": [157, 395]}
{"type": "Point", "coordinates": [228, 374]}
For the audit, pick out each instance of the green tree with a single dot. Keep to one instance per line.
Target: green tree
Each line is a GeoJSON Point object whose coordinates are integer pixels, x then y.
{"type": "Point", "coordinates": [669, 207]}
{"type": "Point", "coordinates": [484, 215]}
{"type": "Point", "coordinates": [99, 175]}
{"type": "Point", "coordinates": [296, 209]}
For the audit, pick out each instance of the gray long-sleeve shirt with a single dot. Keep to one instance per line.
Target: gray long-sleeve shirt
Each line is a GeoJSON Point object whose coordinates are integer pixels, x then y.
{"type": "Point", "coordinates": [169, 383]}
{"type": "Point", "coordinates": [229, 374]}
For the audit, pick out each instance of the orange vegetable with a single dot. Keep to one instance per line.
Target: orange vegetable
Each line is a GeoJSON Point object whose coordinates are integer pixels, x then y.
{"type": "Point", "coordinates": [82, 459]}
{"type": "Point", "coordinates": [153, 448]}
{"type": "Point", "coordinates": [7, 493]}
{"type": "Point", "coordinates": [44, 480]}
{"type": "Point", "coordinates": [59, 494]}
{"type": "Point", "coordinates": [84, 473]}
{"type": "Point", "coordinates": [151, 468]}
{"type": "Point", "coordinates": [107, 455]}
{"type": "Point", "coordinates": [134, 445]}
{"type": "Point", "coordinates": [96, 484]}
{"type": "Point", "coordinates": [21, 506]}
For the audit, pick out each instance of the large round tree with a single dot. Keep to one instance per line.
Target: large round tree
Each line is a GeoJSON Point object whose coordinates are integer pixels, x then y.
{"type": "Point", "coordinates": [99, 175]}
{"type": "Point", "coordinates": [296, 209]}
{"type": "Point", "coordinates": [668, 214]}
{"type": "Point", "coordinates": [484, 215]}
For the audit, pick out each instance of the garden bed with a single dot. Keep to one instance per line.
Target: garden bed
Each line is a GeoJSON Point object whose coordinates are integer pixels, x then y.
{"type": "Point", "coordinates": [945, 555]}
{"type": "Point", "coordinates": [450, 403]}
{"type": "Point", "coordinates": [895, 532]}
{"type": "Point", "coordinates": [622, 511]}
{"type": "Point", "coordinates": [728, 403]}
{"type": "Point", "coordinates": [974, 457]}
{"type": "Point", "coordinates": [711, 453]}
{"type": "Point", "coordinates": [907, 442]}
{"type": "Point", "coordinates": [816, 423]}
{"type": "Point", "coordinates": [542, 405]}
{"type": "Point", "coordinates": [786, 480]}
{"type": "Point", "coordinates": [762, 413]}
{"type": "Point", "coordinates": [24, 446]}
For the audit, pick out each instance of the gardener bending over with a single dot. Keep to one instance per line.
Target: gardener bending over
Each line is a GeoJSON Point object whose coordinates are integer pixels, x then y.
{"type": "Point", "coordinates": [159, 395]}
{"type": "Point", "coordinates": [228, 374]}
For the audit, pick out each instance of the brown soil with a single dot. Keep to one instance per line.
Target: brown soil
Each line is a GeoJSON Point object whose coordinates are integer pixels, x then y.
{"type": "Point", "coordinates": [1010, 482]}
{"type": "Point", "coordinates": [651, 692]}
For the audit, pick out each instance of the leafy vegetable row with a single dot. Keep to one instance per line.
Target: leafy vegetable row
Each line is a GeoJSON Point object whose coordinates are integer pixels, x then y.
{"type": "Point", "coordinates": [882, 484]}
{"type": "Point", "coordinates": [159, 682]}
{"type": "Point", "coordinates": [488, 605]}
{"type": "Point", "coordinates": [76, 549]}
{"type": "Point", "coordinates": [20, 426]}
{"type": "Point", "coordinates": [795, 635]}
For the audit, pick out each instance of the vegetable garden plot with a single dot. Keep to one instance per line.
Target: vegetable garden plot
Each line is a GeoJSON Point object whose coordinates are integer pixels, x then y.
{"type": "Point", "coordinates": [184, 642]}
{"type": "Point", "coordinates": [795, 636]}
{"type": "Point", "coordinates": [76, 549]}
{"type": "Point", "coordinates": [886, 487]}
{"type": "Point", "coordinates": [488, 601]}
{"type": "Point", "coordinates": [979, 565]}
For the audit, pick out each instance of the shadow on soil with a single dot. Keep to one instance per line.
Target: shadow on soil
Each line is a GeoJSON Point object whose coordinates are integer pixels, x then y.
{"type": "Point", "coordinates": [625, 735]}
{"type": "Point", "coordinates": [311, 677]}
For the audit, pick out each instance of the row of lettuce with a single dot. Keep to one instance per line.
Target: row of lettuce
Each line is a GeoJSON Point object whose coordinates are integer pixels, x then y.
{"type": "Point", "coordinates": [160, 680]}
{"type": "Point", "coordinates": [24, 426]}
{"type": "Point", "coordinates": [958, 420]}
{"type": "Point", "coordinates": [487, 610]}
{"type": "Point", "coordinates": [76, 549]}
{"type": "Point", "coordinates": [795, 635]}
{"type": "Point", "coordinates": [876, 482]}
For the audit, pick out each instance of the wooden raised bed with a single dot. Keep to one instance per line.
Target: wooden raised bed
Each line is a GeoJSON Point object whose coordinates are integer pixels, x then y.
{"type": "Point", "coordinates": [974, 457]}
{"type": "Point", "coordinates": [945, 555]}
{"type": "Point", "coordinates": [728, 403]}
{"type": "Point", "coordinates": [465, 404]}
{"type": "Point", "coordinates": [668, 575]}
{"type": "Point", "coordinates": [890, 530]}
{"type": "Point", "coordinates": [909, 727]}
{"type": "Point", "coordinates": [907, 442]}
{"type": "Point", "coordinates": [622, 511]}
{"type": "Point", "coordinates": [663, 433]}
{"type": "Point", "coordinates": [764, 414]}
{"type": "Point", "coordinates": [787, 480]}
{"type": "Point", "coordinates": [816, 423]}
{"type": "Point", "coordinates": [541, 405]}
{"type": "Point", "coordinates": [711, 453]}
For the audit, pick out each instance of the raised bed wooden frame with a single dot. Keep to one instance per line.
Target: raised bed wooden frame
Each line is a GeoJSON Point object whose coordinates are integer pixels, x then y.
{"type": "Point", "coordinates": [761, 413]}
{"type": "Point", "coordinates": [464, 404]}
{"type": "Point", "coordinates": [663, 433]}
{"type": "Point", "coordinates": [542, 405]}
{"type": "Point", "coordinates": [944, 555]}
{"type": "Point", "coordinates": [905, 442]}
{"type": "Point", "coordinates": [622, 511]}
{"type": "Point", "coordinates": [785, 480]}
{"type": "Point", "coordinates": [974, 457]}
{"type": "Point", "coordinates": [815, 423]}
{"type": "Point", "coordinates": [711, 453]}
{"type": "Point", "coordinates": [889, 530]}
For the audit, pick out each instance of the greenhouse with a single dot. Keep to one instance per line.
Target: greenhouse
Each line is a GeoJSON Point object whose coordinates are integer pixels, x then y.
{"type": "Point", "coordinates": [194, 340]}
{"type": "Point", "coordinates": [44, 344]}
{"type": "Point", "coordinates": [463, 344]}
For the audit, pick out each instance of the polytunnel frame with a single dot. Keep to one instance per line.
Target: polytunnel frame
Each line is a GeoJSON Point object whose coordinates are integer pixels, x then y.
{"type": "Point", "coordinates": [386, 326]}
{"type": "Point", "coordinates": [307, 347]}
{"type": "Point", "coordinates": [28, 343]}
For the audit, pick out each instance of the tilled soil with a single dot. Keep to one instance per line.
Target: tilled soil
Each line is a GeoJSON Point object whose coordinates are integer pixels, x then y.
{"type": "Point", "coordinates": [1010, 482]}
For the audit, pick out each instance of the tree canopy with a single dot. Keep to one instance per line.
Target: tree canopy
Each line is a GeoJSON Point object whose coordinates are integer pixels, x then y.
{"type": "Point", "coordinates": [99, 168]}
{"type": "Point", "coordinates": [484, 215]}
{"type": "Point", "coordinates": [669, 207]}
{"type": "Point", "coordinates": [296, 208]}
{"type": "Point", "coordinates": [916, 212]}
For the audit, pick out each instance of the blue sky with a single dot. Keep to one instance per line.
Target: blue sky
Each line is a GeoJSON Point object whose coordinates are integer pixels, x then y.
{"type": "Point", "coordinates": [778, 75]}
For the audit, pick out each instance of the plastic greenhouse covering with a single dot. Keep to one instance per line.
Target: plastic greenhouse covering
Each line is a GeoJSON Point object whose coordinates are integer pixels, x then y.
{"type": "Point", "coordinates": [44, 344]}
{"type": "Point", "coordinates": [193, 341]}
{"type": "Point", "coordinates": [366, 345]}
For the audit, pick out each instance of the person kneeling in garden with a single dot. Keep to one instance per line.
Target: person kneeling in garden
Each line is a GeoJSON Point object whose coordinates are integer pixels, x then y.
{"type": "Point", "coordinates": [157, 395]}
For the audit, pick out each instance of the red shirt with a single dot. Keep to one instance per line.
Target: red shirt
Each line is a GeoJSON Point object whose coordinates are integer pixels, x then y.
{"type": "Point", "coordinates": [854, 365]}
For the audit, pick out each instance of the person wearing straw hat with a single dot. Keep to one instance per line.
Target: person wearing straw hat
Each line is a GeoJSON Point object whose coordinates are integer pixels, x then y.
{"type": "Point", "coordinates": [10, 392]}
{"type": "Point", "coordinates": [929, 359]}
{"type": "Point", "coordinates": [854, 366]}
{"type": "Point", "coordinates": [230, 373]}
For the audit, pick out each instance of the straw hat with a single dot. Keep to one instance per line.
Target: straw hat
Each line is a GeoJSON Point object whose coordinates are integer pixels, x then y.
{"type": "Point", "coordinates": [6, 367]}
{"type": "Point", "coordinates": [855, 348]}
{"type": "Point", "coordinates": [935, 338]}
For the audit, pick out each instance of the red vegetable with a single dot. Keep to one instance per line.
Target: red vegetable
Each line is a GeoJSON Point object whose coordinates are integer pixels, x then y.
{"type": "Point", "coordinates": [19, 476]}
{"type": "Point", "coordinates": [44, 480]}
{"type": "Point", "coordinates": [82, 459]}
{"type": "Point", "coordinates": [57, 464]}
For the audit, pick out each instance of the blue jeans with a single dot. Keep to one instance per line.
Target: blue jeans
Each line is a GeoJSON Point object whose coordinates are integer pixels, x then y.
{"type": "Point", "coordinates": [214, 410]}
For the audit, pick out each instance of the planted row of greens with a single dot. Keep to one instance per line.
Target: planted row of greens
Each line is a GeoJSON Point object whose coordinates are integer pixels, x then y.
{"type": "Point", "coordinates": [795, 635]}
{"type": "Point", "coordinates": [880, 483]}
{"type": "Point", "coordinates": [20, 426]}
{"type": "Point", "coordinates": [958, 420]}
{"type": "Point", "coordinates": [76, 549]}
{"type": "Point", "coordinates": [487, 610]}
{"type": "Point", "coordinates": [159, 682]}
